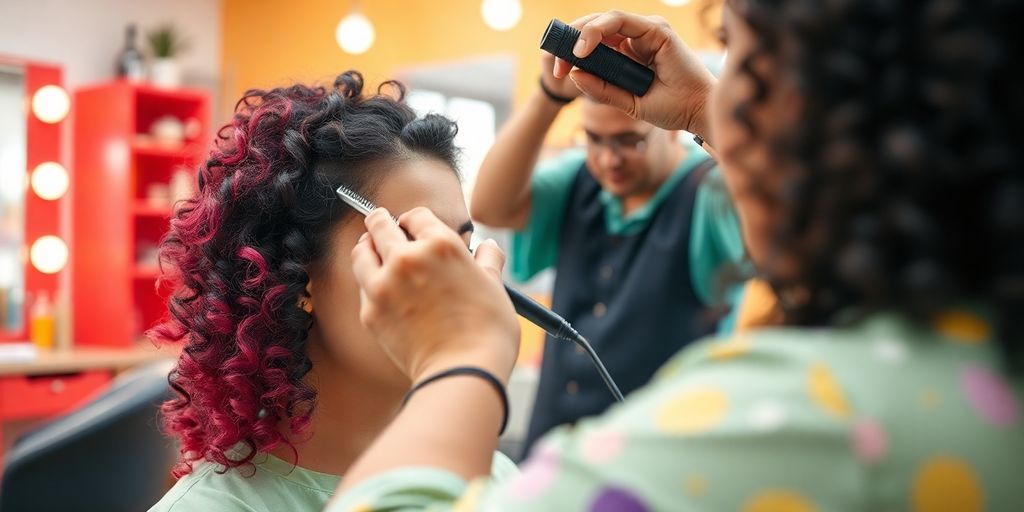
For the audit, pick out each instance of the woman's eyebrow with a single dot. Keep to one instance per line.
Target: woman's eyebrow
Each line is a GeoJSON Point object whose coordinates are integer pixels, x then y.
{"type": "Point", "coordinates": [466, 227]}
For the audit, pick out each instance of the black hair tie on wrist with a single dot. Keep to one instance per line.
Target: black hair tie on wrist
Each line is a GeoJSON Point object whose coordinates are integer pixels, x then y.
{"type": "Point", "coordinates": [467, 370]}
{"type": "Point", "coordinates": [562, 100]}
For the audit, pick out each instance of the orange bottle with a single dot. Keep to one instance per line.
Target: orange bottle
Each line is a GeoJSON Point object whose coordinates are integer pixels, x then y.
{"type": "Point", "coordinates": [42, 322]}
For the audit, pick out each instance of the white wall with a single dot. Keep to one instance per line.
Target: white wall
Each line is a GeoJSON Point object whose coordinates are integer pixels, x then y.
{"type": "Point", "coordinates": [85, 36]}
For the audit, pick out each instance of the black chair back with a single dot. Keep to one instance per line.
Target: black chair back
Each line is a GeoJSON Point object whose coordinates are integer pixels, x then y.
{"type": "Point", "coordinates": [108, 455]}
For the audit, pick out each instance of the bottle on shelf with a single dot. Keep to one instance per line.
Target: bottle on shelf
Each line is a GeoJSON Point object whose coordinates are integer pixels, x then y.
{"type": "Point", "coordinates": [42, 321]}
{"type": "Point", "coordinates": [129, 61]}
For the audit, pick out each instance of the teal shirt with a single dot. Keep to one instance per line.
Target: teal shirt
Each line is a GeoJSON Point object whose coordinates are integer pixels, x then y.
{"type": "Point", "coordinates": [714, 234]}
{"type": "Point", "coordinates": [882, 415]}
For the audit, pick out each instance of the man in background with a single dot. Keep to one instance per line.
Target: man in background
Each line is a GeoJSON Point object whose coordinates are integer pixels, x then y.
{"type": "Point", "coordinates": [638, 227]}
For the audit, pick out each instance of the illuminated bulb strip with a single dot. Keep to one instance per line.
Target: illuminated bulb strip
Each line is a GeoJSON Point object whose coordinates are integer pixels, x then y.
{"type": "Point", "coordinates": [51, 104]}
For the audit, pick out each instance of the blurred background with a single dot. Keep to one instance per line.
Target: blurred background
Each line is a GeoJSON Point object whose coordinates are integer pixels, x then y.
{"type": "Point", "coordinates": [108, 106]}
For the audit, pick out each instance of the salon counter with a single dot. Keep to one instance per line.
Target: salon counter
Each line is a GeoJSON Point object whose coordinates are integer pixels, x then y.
{"type": "Point", "coordinates": [55, 382]}
{"type": "Point", "coordinates": [83, 359]}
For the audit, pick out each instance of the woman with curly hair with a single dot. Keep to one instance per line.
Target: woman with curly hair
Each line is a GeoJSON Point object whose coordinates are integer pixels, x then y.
{"type": "Point", "coordinates": [875, 155]}
{"type": "Point", "coordinates": [279, 386]}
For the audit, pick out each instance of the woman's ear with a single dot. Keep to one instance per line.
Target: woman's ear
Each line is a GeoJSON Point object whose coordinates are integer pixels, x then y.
{"type": "Point", "coordinates": [306, 303]}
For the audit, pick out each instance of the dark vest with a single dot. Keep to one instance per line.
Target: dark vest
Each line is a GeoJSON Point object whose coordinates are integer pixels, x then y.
{"type": "Point", "coordinates": [630, 296]}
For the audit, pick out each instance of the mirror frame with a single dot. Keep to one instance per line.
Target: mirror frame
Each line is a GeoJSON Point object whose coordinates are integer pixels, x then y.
{"type": "Point", "coordinates": [42, 217]}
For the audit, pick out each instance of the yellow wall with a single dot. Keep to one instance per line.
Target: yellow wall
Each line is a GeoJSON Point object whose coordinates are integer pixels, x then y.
{"type": "Point", "coordinates": [273, 42]}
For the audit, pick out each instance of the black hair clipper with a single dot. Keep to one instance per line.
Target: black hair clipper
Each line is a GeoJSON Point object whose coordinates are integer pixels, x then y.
{"type": "Point", "coordinates": [604, 62]}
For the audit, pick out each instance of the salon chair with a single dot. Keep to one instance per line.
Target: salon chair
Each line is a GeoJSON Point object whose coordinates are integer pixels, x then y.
{"type": "Point", "coordinates": [108, 455]}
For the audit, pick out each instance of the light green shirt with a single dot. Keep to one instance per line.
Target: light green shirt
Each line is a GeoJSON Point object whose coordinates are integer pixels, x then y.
{"type": "Point", "coordinates": [883, 415]}
{"type": "Point", "coordinates": [271, 485]}
{"type": "Point", "coordinates": [714, 234]}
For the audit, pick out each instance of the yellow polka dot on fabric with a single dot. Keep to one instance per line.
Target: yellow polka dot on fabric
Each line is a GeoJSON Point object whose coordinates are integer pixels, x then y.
{"type": "Point", "coordinates": [930, 399]}
{"type": "Point", "coordinates": [826, 392]}
{"type": "Point", "coordinates": [946, 483]}
{"type": "Point", "coordinates": [471, 497]}
{"type": "Point", "coordinates": [671, 369]}
{"type": "Point", "coordinates": [779, 501]}
{"type": "Point", "coordinates": [963, 327]}
{"type": "Point", "coordinates": [695, 485]}
{"type": "Point", "coordinates": [693, 411]}
{"type": "Point", "coordinates": [735, 347]}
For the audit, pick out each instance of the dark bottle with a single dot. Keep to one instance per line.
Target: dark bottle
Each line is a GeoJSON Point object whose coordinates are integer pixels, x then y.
{"type": "Point", "coordinates": [129, 61]}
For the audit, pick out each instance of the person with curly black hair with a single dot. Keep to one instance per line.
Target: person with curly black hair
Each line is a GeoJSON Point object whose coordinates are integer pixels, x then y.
{"type": "Point", "coordinates": [279, 386]}
{"type": "Point", "coordinates": [874, 154]}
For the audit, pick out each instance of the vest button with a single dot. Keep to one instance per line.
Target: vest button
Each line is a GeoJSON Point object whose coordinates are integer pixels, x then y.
{"type": "Point", "coordinates": [600, 309]}
{"type": "Point", "coordinates": [572, 387]}
{"type": "Point", "coordinates": [606, 272]}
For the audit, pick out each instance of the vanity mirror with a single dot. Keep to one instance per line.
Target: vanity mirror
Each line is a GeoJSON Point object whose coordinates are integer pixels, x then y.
{"type": "Point", "coordinates": [33, 182]}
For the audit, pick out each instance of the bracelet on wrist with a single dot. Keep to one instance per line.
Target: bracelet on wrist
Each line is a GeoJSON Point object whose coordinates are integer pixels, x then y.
{"type": "Point", "coordinates": [561, 100]}
{"type": "Point", "coordinates": [472, 371]}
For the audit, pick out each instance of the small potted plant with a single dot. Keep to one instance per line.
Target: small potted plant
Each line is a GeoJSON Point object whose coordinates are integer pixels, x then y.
{"type": "Point", "coordinates": [165, 43]}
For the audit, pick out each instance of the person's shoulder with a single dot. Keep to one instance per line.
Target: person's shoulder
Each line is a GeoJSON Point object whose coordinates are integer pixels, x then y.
{"type": "Point", "coordinates": [878, 366]}
{"type": "Point", "coordinates": [760, 356]}
{"type": "Point", "coordinates": [204, 489]}
{"type": "Point", "coordinates": [817, 370]}
{"type": "Point", "coordinates": [882, 394]}
{"type": "Point", "coordinates": [770, 349]}
{"type": "Point", "coordinates": [725, 411]}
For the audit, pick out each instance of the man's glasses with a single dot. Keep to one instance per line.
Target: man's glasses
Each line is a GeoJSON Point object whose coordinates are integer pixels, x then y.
{"type": "Point", "coordinates": [623, 144]}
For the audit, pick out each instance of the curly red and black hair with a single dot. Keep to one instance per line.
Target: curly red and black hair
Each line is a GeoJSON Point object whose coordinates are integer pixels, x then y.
{"type": "Point", "coordinates": [238, 255]}
{"type": "Point", "coordinates": [907, 185]}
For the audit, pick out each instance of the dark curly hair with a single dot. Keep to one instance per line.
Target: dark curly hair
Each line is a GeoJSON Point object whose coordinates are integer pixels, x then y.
{"type": "Point", "coordinates": [907, 190]}
{"type": "Point", "coordinates": [238, 254]}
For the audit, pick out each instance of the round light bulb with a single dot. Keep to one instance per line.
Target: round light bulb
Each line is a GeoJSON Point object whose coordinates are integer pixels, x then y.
{"type": "Point", "coordinates": [49, 254]}
{"type": "Point", "coordinates": [675, 3]}
{"type": "Point", "coordinates": [355, 33]}
{"type": "Point", "coordinates": [501, 15]}
{"type": "Point", "coordinates": [51, 104]}
{"type": "Point", "coordinates": [50, 180]}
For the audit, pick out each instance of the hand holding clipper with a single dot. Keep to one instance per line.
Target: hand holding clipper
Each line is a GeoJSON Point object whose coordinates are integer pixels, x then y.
{"type": "Point", "coordinates": [604, 62]}
{"type": "Point", "coordinates": [681, 85]}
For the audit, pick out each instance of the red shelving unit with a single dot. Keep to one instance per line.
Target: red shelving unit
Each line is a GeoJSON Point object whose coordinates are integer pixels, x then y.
{"type": "Point", "coordinates": [144, 209]}
{"type": "Point", "coordinates": [117, 221]}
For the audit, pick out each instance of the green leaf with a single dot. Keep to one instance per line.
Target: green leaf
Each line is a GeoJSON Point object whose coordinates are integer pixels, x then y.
{"type": "Point", "coordinates": [165, 41]}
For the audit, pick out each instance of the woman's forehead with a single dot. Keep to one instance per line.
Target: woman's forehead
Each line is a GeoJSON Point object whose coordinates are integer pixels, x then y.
{"type": "Point", "coordinates": [426, 182]}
